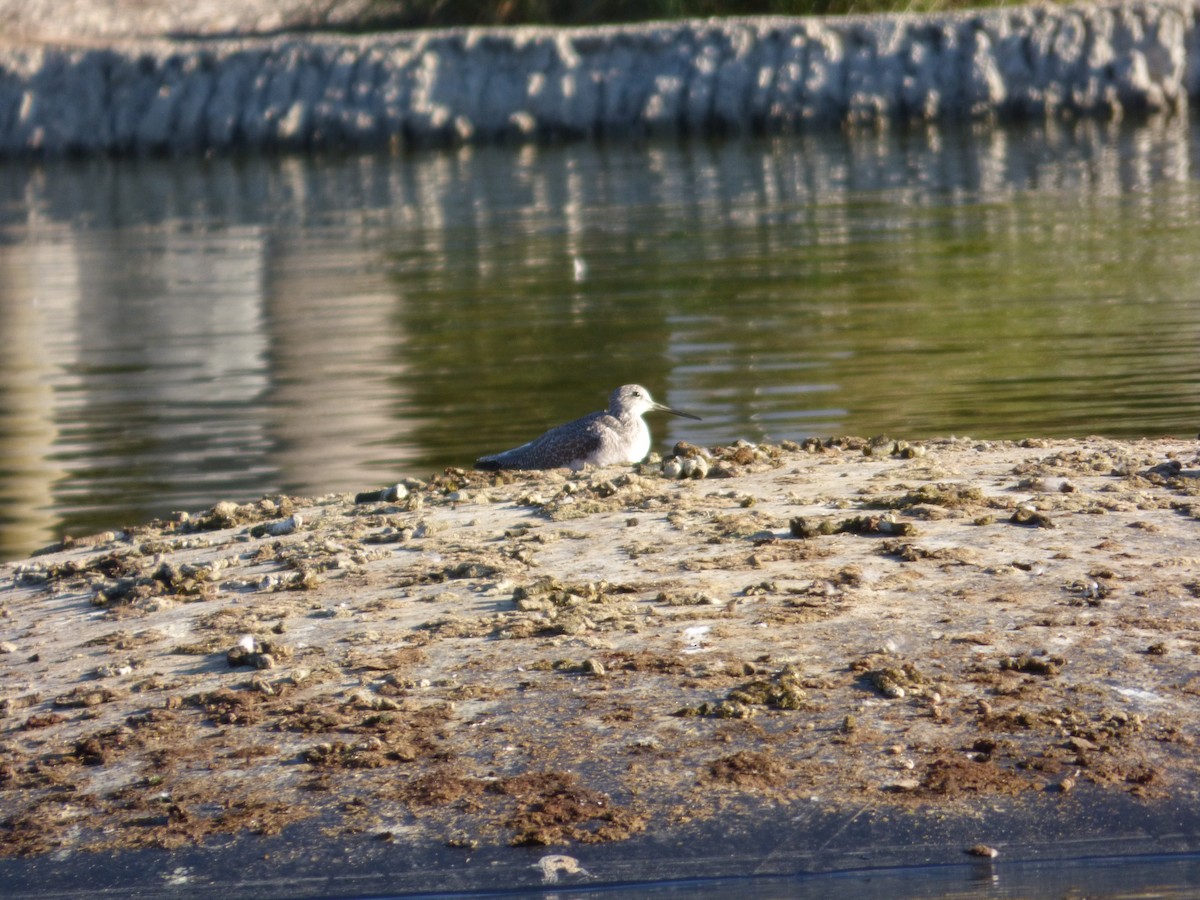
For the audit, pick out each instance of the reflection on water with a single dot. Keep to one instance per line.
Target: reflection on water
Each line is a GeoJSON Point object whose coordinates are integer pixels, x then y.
{"type": "Point", "coordinates": [178, 332]}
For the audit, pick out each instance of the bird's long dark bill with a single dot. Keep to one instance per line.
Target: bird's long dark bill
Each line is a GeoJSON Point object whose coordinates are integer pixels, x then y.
{"type": "Point", "coordinates": [676, 412]}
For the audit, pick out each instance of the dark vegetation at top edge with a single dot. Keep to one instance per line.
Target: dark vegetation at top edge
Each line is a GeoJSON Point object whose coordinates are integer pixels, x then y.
{"type": "Point", "coordinates": [405, 14]}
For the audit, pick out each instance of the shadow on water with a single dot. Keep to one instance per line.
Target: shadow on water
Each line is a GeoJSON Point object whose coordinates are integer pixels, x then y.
{"type": "Point", "coordinates": [1094, 847]}
{"type": "Point", "coordinates": [183, 331]}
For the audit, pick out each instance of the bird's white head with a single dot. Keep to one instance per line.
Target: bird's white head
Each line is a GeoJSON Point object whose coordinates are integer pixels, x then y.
{"type": "Point", "coordinates": [634, 400]}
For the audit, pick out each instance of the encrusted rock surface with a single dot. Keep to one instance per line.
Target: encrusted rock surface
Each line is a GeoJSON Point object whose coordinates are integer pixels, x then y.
{"type": "Point", "coordinates": [97, 90]}
{"type": "Point", "coordinates": [988, 643]}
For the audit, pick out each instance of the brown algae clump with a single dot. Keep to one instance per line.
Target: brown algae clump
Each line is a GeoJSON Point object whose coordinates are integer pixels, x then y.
{"type": "Point", "coordinates": [783, 690]}
{"type": "Point", "coordinates": [894, 682]}
{"type": "Point", "coordinates": [948, 496]}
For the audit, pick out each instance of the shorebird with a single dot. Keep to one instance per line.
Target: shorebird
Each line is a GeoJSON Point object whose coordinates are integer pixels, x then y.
{"type": "Point", "coordinates": [617, 435]}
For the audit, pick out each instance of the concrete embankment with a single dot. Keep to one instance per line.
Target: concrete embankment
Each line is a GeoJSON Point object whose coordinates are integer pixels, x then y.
{"type": "Point", "coordinates": [768, 74]}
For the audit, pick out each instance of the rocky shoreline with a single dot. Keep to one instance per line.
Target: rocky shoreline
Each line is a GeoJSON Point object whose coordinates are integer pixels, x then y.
{"type": "Point", "coordinates": [833, 655]}
{"type": "Point", "coordinates": [100, 91]}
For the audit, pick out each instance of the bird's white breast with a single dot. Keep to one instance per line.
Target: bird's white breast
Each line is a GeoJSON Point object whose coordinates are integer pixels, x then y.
{"type": "Point", "coordinates": [640, 446]}
{"type": "Point", "coordinates": [628, 445]}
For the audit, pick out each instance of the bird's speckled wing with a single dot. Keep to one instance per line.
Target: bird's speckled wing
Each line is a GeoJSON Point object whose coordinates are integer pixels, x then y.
{"type": "Point", "coordinates": [567, 446]}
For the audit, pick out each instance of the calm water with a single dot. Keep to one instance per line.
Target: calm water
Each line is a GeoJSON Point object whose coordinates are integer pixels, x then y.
{"type": "Point", "coordinates": [178, 332]}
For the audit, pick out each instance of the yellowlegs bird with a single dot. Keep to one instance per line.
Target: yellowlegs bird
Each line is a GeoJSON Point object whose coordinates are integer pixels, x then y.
{"type": "Point", "coordinates": [599, 439]}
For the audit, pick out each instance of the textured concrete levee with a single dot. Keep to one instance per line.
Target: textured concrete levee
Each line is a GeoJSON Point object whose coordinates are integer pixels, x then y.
{"type": "Point", "coordinates": [767, 74]}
